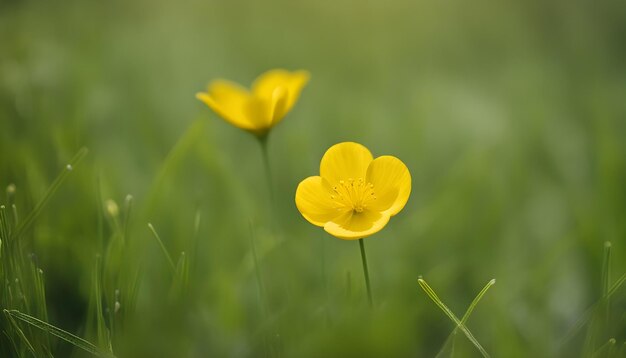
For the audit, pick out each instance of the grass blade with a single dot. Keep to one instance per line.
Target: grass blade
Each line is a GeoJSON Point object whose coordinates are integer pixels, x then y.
{"type": "Point", "coordinates": [165, 252]}
{"type": "Point", "coordinates": [181, 280]}
{"type": "Point", "coordinates": [20, 333]}
{"type": "Point", "coordinates": [616, 285]}
{"type": "Point", "coordinates": [465, 317]}
{"type": "Point", "coordinates": [4, 223]}
{"type": "Point", "coordinates": [433, 296]}
{"type": "Point", "coordinates": [101, 328]}
{"type": "Point", "coordinates": [57, 332]}
{"type": "Point", "coordinates": [128, 206]}
{"type": "Point", "coordinates": [606, 269]}
{"type": "Point", "coordinates": [608, 291]}
{"type": "Point", "coordinates": [476, 300]}
{"type": "Point", "coordinates": [28, 221]}
{"type": "Point", "coordinates": [586, 316]}
{"type": "Point", "coordinates": [600, 315]}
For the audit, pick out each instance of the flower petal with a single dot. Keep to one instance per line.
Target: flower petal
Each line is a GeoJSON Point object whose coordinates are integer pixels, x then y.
{"type": "Point", "coordinates": [292, 82]}
{"type": "Point", "coordinates": [314, 202]}
{"type": "Point", "coordinates": [258, 111]}
{"type": "Point", "coordinates": [392, 184]}
{"type": "Point", "coordinates": [267, 112]}
{"type": "Point", "coordinates": [352, 225]}
{"type": "Point", "coordinates": [278, 105]}
{"type": "Point", "coordinates": [345, 160]}
{"type": "Point", "coordinates": [230, 101]}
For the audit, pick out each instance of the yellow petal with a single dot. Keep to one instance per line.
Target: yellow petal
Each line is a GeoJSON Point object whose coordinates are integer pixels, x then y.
{"type": "Point", "coordinates": [278, 105]}
{"type": "Point", "coordinates": [230, 101]}
{"type": "Point", "coordinates": [314, 202]}
{"type": "Point", "coordinates": [292, 82]}
{"type": "Point", "coordinates": [345, 160]}
{"type": "Point", "coordinates": [266, 112]}
{"type": "Point", "coordinates": [258, 111]}
{"type": "Point", "coordinates": [392, 184]}
{"type": "Point", "coordinates": [352, 225]}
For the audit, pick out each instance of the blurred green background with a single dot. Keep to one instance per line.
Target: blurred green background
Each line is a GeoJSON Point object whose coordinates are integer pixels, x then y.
{"type": "Point", "coordinates": [511, 117]}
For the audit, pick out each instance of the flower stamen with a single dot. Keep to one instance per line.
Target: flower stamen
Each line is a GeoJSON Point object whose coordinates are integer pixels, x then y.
{"type": "Point", "coordinates": [353, 194]}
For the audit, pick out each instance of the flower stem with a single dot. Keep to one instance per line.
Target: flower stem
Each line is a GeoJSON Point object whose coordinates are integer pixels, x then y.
{"type": "Point", "coordinates": [366, 272]}
{"type": "Point", "coordinates": [266, 163]}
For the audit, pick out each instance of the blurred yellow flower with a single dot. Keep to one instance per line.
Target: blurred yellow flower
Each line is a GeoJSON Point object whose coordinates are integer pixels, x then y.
{"type": "Point", "coordinates": [272, 96]}
{"type": "Point", "coordinates": [355, 195]}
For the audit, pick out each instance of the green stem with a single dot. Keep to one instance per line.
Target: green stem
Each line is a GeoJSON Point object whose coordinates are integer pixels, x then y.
{"type": "Point", "coordinates": [366, 273]}
{"type": "Point", "coordinates": [266, 163]}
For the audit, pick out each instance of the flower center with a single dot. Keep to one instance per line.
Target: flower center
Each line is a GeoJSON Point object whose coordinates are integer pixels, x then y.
{"type": "Point", "coordinates": [353, 194]}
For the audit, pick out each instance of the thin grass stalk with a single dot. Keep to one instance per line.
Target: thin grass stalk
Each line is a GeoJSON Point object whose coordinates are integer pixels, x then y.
{"type": "Point", "coordinates": [58, 332]}
{"type": "Point", "coordinates": [433, 296]}
{"type": "Point", "coordinates": [165, 252]}
{"type": "Point", "coordinates": [452, 336]}
{"type": "Point", "coordinates": [599, 326]}
{"type": "Point", "coordinates": [586, 316]}
{"type": "Point", "coordinates": [20, 334]}
{"type": "Point", "coordinates": [128, 209]}
{"type": "Point", "coordinates": [56, 184]}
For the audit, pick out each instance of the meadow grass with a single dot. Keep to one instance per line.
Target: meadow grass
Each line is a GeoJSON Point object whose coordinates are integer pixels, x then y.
{"type": "Point", "coordinates": [171, 237]}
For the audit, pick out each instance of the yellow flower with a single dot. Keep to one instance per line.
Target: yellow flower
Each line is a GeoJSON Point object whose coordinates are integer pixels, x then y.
{"type": "Point", "coordinates": [355, 195]}
{"type": "Point", "coordinates": [272, 96]}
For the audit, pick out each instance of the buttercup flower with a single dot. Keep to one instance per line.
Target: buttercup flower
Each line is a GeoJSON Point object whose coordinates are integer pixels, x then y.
{"type": "Point", "coordinates": [272, 96]}
{"type": "Point", "coordinates": [355, 195]}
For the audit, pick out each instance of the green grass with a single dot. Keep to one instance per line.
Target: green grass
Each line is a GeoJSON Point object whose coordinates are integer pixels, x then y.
{"type": "Point", "coordinates": [460, 324]}
{"type": "Point", "coordinates": [510, 117]}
